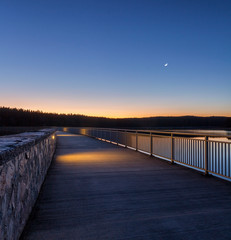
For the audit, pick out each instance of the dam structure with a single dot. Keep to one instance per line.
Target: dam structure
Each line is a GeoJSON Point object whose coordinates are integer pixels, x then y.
{"type": "Point", "coordinates": [117, 184]}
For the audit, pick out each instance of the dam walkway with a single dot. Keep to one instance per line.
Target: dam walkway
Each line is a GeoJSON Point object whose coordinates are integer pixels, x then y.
{"type": "Point", "coordinates": [99, 191]}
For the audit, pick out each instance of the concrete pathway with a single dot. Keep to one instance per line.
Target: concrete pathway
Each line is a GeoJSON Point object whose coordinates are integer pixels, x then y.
{"type": "Point", "coordinates": [96, 190]}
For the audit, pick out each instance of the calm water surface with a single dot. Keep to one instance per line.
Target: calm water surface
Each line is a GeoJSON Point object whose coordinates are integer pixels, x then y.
{"type": "Point", "coordinates": [218, 135]}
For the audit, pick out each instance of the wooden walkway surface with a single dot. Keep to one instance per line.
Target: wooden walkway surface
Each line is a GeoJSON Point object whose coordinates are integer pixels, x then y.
{"type": "Point", "coordinates": [96, 190]}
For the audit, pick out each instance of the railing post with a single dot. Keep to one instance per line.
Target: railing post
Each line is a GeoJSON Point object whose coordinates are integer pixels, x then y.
{"type": "Point", "coordinates": [172, 148]}
{"type": "Point", "coordinates": [136, 141]}
{"type": "Point", "coordinates": [206, 155]}
{"type": "Point", "coordinates": [117, 138]}
{"type": "Point", "coordinates": [151, 144]}
{"type": "Point", "coordinates": [125, 138]}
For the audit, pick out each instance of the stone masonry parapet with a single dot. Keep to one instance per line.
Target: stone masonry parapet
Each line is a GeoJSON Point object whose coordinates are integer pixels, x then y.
{"type": "Point", "coordinates": [24, 161]}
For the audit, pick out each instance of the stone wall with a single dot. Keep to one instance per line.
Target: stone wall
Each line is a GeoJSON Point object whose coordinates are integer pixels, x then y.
{"type": "Point", "coordinates": [24, 161]}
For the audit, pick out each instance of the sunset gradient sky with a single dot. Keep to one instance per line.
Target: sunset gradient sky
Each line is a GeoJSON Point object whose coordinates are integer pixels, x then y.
{"type": "Point", "coordinates": [106, 58]}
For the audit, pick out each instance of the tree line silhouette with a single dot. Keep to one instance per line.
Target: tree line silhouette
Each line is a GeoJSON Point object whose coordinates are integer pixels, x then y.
{"type": "Point", "coordinates": [20, 117]}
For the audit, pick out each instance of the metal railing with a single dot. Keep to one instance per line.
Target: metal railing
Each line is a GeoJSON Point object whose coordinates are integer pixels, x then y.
{"type": "Point", "coordinates": [207, 153]}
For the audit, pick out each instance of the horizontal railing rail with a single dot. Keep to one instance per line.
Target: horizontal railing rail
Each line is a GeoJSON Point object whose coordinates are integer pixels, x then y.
{"type": "Point", "coordinates": [163, 132]}
{"type": "Point", "coordinates": [207, 153]}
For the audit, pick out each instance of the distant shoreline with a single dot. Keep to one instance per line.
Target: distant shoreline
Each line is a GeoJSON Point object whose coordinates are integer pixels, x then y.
{"type": "Point", "coordinates": [12, 117]}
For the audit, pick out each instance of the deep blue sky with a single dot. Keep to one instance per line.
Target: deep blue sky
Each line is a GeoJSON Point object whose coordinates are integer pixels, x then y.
{"type": "Point", "coordinates": [107, 57]}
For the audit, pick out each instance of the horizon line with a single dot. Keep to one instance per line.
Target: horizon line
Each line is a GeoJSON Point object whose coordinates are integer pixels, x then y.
{"type": "Point", "coordinates": [151, 116]}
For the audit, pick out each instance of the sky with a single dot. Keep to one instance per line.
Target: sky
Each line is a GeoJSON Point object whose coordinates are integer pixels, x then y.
{"type": "Point", "coordinates": [107, 58]}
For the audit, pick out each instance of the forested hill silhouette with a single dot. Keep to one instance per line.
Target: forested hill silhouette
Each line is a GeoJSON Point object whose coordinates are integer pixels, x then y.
{"type": "Point", "coordinates": [20, 117]}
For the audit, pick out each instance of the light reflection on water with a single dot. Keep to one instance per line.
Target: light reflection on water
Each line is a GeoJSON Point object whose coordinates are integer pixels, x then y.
{"type": "Point", "coordinates": [215, 139]}
{"type": "Point", "coordinates": [218, 135]}
{"type": "Point", "coordinates": [220, 139]}
{"type": "Point", "coordinates": [208, 132]}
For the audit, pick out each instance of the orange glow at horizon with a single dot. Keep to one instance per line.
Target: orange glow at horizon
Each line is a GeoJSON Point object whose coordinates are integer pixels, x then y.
{"type": "Point", "coordinates": [122, 113]}
{"type": "Point", "coordinates": [121, 108]}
